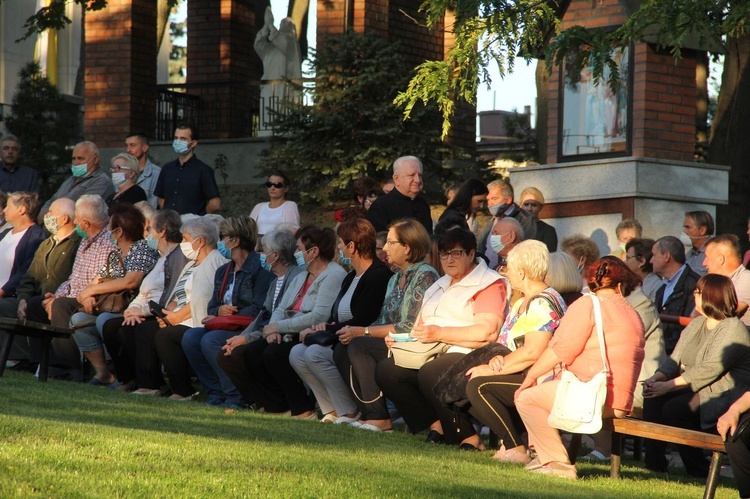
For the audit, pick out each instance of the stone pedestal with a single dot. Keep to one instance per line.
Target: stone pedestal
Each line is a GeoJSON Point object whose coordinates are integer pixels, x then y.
{"type": "Point", "coordinates": [592, 197]}
{"type": "Point", "coordinates": [274, 97]}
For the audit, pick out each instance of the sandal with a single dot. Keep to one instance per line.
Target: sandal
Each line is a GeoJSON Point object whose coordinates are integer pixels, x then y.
{"type": "Point", "coordinates": [328, 418]}
{"type": "Point", "coordinates": [512, 456]}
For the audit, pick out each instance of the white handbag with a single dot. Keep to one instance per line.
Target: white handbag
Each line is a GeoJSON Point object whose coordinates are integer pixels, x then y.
{"type": "Point", "coordinates": [578, 406]}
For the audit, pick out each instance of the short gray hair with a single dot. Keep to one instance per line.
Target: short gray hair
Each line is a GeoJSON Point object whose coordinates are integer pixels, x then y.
{"type": "Point", "coordinates": [9, 137]}
{"type": "Point", "coordinates": [398, 164]}
{"type": "Point", "coordinates": [147, 210]}
{"type": "Point", "coordinates": [66, 207]}
{"type": "Point", "coordinates": [517, 228]}
{"type": "Point", "coordinates": [532, 257]}
{"type": "Point", "coordinates": [130, 161]}
{"type": "Point", "coordinates": [200, 227]}
{"type": "Point", "coordinates": [93, 207]}
{"type": "Point", "coordinates": [92, 147]}
{"type": "Point", "coordinates": [673, 246]}
{"type": "Point", "coordinates": [281, 242]}
{"type": "Point", "coordinates": [505, 188]}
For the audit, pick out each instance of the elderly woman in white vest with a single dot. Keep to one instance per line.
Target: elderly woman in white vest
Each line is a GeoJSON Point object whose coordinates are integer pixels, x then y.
{"type": "Point", "coordinates": [463, 309]}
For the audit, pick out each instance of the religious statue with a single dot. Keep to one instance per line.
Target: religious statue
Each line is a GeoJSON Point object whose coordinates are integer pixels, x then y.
{"type": "Point", "coordinates": [278, 49]}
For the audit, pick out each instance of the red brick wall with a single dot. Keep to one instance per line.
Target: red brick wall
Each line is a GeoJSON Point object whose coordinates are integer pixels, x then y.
{"type": "Point", "coordinates": [221, 64]}
{"type": "Point", "coordinates": [120, 71]}
{"type": "Point", "coordinates": [663, 93]}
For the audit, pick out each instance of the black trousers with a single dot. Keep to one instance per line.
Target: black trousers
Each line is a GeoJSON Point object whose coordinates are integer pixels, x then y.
{"type": "Point", "coordinates": [682, 410]}
{"type": "Point", "coordinates": [156, 346]}
{"type": "Point", "coordinates": [276, 385]}
{"type": "Point", "coordinates": [64, 352]}
{"type": "Point", "coordinates": [120, 343]}
{"type": "Point", "coordinates": [234, 367]}
{"type": "Point", "coordinates": [491, 400]}
{"type": "Point", "coordinates": [739, 456]}
{"type": "Point", "coordinates": [412, 393]}
{"type": "Point", "coordinates": [357, 362]}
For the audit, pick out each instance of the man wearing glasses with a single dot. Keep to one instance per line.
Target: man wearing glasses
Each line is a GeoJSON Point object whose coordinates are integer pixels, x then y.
{"type": "Point", "coordinates": [187, 184]}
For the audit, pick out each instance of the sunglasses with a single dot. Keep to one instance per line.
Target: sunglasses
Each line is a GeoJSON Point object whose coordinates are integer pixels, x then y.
{"type": "Point", "coordinates": [278, 185]}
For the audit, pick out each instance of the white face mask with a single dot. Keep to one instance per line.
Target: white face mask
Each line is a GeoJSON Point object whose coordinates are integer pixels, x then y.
{"type": "Point", "coordinates": [119, 179]}
{"type": "Point", "coordinates": [188, 250]}
{"type": "Point", "coordinates": [685, 240]}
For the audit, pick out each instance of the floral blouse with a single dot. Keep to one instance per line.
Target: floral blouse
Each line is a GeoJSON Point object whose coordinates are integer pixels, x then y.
{"type": "Point", "coordinates": [539, 316]}
{"type": "Point", "coordinates": [140, 258]}
{"type": "Point", "coordinates": [401, 306]}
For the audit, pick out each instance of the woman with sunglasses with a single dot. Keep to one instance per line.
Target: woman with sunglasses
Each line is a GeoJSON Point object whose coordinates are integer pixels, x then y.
{"type": "Point", "coordinates": [278, 209]}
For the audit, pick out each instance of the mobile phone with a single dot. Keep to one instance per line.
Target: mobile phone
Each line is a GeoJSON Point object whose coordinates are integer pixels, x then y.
{"type": "Point", "coordinates": [158, 311]}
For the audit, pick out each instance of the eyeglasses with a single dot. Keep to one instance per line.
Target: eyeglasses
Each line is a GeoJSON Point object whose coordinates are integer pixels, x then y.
{"type": "Point", "coordinates": [391, 243]}
{"type": "Point", "coordinates": [119, 168]}
{"type": "Point", "coordinates": [456, 254]}
{"type": "Point", "coordinates": [277, 185]}
{"type": "Point", "coordinates": [628, 257]}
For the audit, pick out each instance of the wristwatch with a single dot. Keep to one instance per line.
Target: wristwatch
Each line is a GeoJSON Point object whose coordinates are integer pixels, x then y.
{"type": "Point", "coordinates": [367, 332]}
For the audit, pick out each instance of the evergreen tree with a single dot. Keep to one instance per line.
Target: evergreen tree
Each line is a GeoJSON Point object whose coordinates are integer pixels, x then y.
{"type": "Point", "coordinates": [353, 128]}
{"type": "Point", "coordinates": [45, 124]}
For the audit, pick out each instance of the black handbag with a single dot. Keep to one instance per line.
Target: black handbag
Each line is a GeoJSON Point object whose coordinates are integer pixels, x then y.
{"type": "Point", "coordinates": [323, 338]}
{"type": "Point", "coordinates": [451, 387]}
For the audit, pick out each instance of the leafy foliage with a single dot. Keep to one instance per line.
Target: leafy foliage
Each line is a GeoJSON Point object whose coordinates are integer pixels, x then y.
{"type": "Point", "coordinates": [352, 128]}
{"type": "Point", "coordinates": [45, 125]}
{"type": "Point", "coordinates": [497, 31]}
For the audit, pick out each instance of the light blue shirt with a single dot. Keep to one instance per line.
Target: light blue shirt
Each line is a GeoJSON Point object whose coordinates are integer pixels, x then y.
{"type": "Point", "coordinates": [671, 284]}
{"type": "Point", "coordinates": [147, 181]}
{"type": "Point", "coordinates": [694, 258]}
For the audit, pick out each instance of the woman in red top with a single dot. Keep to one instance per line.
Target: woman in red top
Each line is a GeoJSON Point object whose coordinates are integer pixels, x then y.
{"type": "Point", "coordinates": [576, 345]}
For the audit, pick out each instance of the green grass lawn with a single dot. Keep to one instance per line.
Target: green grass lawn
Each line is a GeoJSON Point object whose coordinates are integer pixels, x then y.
{"type": "Point", "coordinates": [67, 439]}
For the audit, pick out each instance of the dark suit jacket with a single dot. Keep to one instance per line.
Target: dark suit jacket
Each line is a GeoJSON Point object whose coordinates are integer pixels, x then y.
{"type": "Point", "coordinates": [681, 302]}
{"type": "Point", "coordinates": [25, 252]}
{"type": "Point", "coordinates": [546, 234]}
{"type": "Point", "coordinates": [395, 206]}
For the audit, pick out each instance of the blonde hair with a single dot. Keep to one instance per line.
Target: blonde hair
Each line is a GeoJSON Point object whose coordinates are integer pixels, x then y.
{"type": "Point", "coordinates": [130, 161]}
{"type": "Point", "coordinates": [532, 257]}
{"type": "Point", "coordinates": [534, 193]}
{"type": "Point", "coordinates": [413, 234]}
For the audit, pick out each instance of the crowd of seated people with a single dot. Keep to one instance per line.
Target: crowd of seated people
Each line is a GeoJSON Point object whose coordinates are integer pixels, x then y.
{"type": "Point", "coordinates": [253, 311]}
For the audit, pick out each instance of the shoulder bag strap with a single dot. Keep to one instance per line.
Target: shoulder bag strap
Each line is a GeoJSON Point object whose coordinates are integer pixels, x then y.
{"type": "Point", "coordinates": [600, 330]}
{"type": "Point", "coordinates": [223, 288]}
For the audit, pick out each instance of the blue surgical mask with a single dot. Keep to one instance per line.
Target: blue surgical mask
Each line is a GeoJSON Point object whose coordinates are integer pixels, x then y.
{"type": "Point", "coordinates": [225, 252]}
{"type": "Point", "coordinates": [300, 257]}
{"type": "Point", "coordinates": [152, 242]}
{"type": "Point", "coordinates": [496, 243]}
{"type": "Point", "coordinates": [111, 239]}
{"type": "Point", "coordinates": [344, 260]}
{"type": "Point", "coordinates": [79, 171]}
{"type": "Point", "coordinates": [81, 232]}
{"type": "Point", "coordinates": [180, 147]}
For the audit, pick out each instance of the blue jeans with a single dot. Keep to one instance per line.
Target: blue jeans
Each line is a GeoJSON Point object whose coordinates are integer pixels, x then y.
{"type": "Point", "coordinates": [201, 348]}
{"type": "Point", "coordinates": [89, 338]}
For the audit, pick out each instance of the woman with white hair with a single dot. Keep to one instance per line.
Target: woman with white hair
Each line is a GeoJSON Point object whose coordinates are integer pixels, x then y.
{"type": "Point", "coordinates": [125, 171]}
{"type": "Point", "coordinates": [160, 342]}
{"type": "Point", "coordinates": [527, 330]}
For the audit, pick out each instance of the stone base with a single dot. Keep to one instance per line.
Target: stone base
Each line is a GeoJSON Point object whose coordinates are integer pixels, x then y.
{"type": "Point", "coordinates": [592, 197]}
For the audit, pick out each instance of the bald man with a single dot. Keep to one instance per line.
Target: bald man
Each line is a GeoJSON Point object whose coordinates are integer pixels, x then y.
{"type": "Point", "coordinates": [724, 257]}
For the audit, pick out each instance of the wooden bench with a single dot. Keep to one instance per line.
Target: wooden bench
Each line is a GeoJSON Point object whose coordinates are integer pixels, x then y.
{"type": "Point", "coordinates": [45, 332]}
{"type": "Point", "coordinates": [644, 429]}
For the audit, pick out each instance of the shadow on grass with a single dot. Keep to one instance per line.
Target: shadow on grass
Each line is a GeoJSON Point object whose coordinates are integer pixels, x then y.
{"type": "Point", "coordinates": [632, 469]}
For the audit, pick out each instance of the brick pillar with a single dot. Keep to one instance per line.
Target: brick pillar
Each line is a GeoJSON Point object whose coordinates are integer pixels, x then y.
{"type": "Point", "coordinates": [222, 66]}
{"type": "Point", "coordinates": [663, 92]}
{"type": "Point", "coordinates": [120, 71]}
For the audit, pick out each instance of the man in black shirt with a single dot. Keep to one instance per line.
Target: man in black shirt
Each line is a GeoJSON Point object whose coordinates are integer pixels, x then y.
{"type": "Point", "coordinates": [187, 184]}
{"type": "Point", "coordinates": [403, 201]}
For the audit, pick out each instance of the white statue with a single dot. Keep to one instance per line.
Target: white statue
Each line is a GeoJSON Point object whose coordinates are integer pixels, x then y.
{"type": "Point", "coordinates": [279, 49]}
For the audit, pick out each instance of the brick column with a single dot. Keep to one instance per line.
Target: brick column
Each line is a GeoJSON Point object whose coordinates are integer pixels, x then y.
{"type": "Point", "coordinates": [663, 91]}
{"type": "Point", "coordinates": [120, 71]}
{"type": "Point", "coordinates": [222, 65]}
